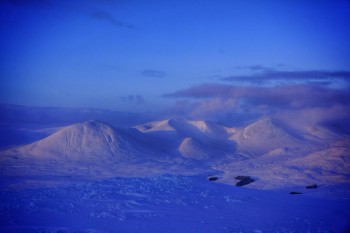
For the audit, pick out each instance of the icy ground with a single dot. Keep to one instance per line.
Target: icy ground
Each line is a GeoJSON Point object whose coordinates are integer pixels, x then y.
{"type": "Point", "coordinates": [167, 203]}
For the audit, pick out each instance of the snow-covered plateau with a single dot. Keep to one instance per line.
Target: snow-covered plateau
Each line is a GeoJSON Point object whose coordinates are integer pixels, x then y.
{"type": "Point", "coordinates": [175, 175]}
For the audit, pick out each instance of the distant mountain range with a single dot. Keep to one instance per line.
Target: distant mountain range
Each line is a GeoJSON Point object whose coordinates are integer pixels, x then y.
{"type": "Point", "coordinates": [10, 113]}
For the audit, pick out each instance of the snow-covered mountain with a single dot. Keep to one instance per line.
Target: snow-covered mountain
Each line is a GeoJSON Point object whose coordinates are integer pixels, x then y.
{"type": "Point", "coordinates": [81, 141]}
{"type": "Point", "coordinates": [187, 128]}
{"type": "Point", "coordinates": [266, 149]}
{"type": "Point", "coordinates": [267, 135]}
{"type": "Point", "coordinates": [200, 140]}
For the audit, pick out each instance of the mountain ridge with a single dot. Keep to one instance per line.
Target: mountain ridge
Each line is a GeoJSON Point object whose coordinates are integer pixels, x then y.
{"type": "Point", "coordinates": [179, 145]}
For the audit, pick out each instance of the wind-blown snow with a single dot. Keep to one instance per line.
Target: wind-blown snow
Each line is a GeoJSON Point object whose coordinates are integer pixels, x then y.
{"type": "Point", "coordinates": [167, 203]}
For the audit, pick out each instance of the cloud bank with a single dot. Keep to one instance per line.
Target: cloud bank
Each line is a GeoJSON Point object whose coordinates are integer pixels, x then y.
{"type": "Point", "coordinates": [299, 104]}
{"type": "Point", "coordinates": [270, 75]}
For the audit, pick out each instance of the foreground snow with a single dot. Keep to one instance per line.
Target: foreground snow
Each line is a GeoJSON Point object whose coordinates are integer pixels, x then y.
{"type": "Point", "coordinates": [167, 203]}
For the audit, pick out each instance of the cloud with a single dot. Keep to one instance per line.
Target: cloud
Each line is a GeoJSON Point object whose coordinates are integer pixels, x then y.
{"type": "Point", "coordinates": [203, 91]}
{"type": "Point", "coordinates": [288, 96]}
{"type": "Point", "coordinates": [255, 67]}
{"type": "Point", "coordinates": [154, 73]}
{"type": "Point", "coordinates": [268, 75]}
{"type": "Point", "coordinates": [336, 115]}
{"type": "Point", "coordinates": [106, 16]}
{"type": "Point", "coordinates": [136, 99]}
{"type": "Point", "coordinates": [296, 104]}
{"type": "Point", "coordinates": [259, 68]}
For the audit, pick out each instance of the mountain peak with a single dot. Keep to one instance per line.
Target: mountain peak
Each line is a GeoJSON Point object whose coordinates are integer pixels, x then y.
{"type": "Point", "coordinates": [263, 136]}
{"type": "Point", "coordinates": [185, 128]}
{"type": "Point", "coordinates": [94, 123]}
{"type": "Point", "coordinates": [81, 140]}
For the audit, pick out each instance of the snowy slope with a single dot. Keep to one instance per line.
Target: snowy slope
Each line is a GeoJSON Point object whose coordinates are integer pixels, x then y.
{"type": "Point", "coordinates": [199, 140]}
{"type": "Point", "coordinates": [267, 135]}
{"type": "Point", "coordinates": [325, 167]}
{"type": "Point", "coordinates": [169, 204]}
{"type": "Point", "coordinates": [208, 150]}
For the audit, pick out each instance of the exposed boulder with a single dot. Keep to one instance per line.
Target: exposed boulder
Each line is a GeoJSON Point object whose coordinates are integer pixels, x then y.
{"type": "Point", "coordinates": [212, 178]}
{"type": "Point", "coordinates": [314, 186]}
{"type": "Point", "coordinates": [244, 180]}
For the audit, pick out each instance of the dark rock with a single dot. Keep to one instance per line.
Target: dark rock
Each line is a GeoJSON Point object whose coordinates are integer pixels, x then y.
{"type": "Point", "coordinates": [314, 186]}
{"type": "Point", "coordinates": [213, 178]}
{"type": "Point", "coordinates": [246, 181]}
{"type": "Point", "coordinates": [293, 193]}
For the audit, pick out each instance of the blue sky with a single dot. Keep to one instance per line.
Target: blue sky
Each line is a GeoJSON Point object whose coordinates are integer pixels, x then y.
{"type": "Point", "coordinates": [133, 55]}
